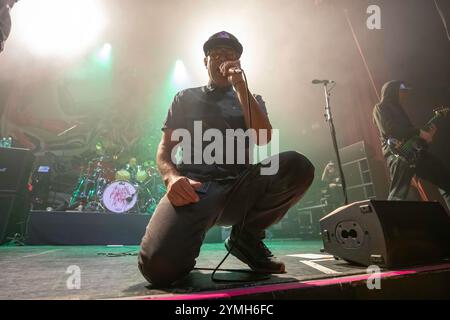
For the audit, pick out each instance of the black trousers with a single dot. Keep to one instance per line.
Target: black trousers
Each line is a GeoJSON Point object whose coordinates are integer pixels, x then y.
{"type": "Point", "coordinates": [427, 167]}
{"type": "Point", "coordinates": [174, 235]}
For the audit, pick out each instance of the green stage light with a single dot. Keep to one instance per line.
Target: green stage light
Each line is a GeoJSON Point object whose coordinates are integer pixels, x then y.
{"type": "Point", "coordinates": [176, 79]}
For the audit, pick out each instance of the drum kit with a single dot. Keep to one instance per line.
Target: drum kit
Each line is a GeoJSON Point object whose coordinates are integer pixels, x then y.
{"type": "Point", "coordinates": [133, 188]}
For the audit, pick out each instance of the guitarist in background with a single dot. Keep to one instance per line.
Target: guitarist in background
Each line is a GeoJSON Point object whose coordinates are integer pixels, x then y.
{"type": "Point", "coordinates": [5, 20]}
{"type": "Point", "coordinates": [393, 122]}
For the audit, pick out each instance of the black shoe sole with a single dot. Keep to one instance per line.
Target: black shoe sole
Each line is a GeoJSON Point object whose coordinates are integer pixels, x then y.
{"type": "Point", "coordinates": [239, 255]}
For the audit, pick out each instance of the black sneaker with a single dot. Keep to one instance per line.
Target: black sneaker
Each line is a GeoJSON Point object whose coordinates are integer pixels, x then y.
{"type": "Point", "coordinates": [255, 254]}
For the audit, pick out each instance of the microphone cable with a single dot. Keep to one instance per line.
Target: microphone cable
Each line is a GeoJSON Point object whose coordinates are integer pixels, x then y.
{"type": "Point", "coordinates": [258, 276]}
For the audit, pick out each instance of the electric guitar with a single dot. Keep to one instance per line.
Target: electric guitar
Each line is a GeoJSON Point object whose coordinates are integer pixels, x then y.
{"type": "Point", "coordinates": [410, 149]}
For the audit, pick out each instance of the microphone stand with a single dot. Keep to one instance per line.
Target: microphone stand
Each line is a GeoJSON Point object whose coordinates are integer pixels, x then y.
{"type": "Point", "coordinates": [329, 119]}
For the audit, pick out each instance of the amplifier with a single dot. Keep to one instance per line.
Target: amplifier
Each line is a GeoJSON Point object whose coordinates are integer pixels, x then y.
{"type": "Point", "coordinates": [15, 169]}
{"type": "Point", "coordinates": [14, 211]}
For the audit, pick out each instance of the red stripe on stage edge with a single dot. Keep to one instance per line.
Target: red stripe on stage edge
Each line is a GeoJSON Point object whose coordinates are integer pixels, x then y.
{"type": "Point", "coordinates": [289, 286]}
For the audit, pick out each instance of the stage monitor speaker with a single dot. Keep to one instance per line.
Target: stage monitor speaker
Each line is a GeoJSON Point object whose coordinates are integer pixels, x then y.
{"type": "Point", "coordinates": [15, 169]}
{"type": "Point", "coordinates": [388, 233]}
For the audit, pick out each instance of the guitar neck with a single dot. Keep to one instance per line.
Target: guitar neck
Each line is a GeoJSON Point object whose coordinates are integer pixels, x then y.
{"type": "Point", "coordinates": [432, 121]}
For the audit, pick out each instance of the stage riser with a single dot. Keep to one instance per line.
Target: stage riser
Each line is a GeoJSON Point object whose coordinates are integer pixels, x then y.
{"type": "Point", "coordinates": [67, 228]}
{"type": "Point", "coordinates": [95, 228]}
{"type": "Point", "coordinates": [427, 285]}
{"type": "Point", "coordinates": [91, 228]}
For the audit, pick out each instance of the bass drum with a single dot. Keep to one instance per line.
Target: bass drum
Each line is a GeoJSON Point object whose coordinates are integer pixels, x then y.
{"type": "Point", "coordinates": [119, 196]}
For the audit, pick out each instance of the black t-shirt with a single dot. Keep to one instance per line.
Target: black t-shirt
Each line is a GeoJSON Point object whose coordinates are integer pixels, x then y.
{"type": "Point", "coordinates": [390, 118]}
{"type": "Point", "coordinates": [216, 108]}
{"type": "Point", "coordinates": [393, 122]}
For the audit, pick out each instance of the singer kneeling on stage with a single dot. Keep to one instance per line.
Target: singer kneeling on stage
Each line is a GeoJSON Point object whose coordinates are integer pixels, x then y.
{"type": "Point", "coordinates": [201, 195]}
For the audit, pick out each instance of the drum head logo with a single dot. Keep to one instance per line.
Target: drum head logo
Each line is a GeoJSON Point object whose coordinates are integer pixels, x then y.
{"type": "Point", "coordinates": [120, 197]}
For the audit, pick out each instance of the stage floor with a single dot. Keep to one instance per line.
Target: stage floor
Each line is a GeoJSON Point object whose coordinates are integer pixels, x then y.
{"type": "Point", "coordinates": [49, 272]}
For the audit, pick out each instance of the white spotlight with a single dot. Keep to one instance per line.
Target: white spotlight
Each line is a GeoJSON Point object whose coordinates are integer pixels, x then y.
{"type": "Point", "coordinates": [63, 27]}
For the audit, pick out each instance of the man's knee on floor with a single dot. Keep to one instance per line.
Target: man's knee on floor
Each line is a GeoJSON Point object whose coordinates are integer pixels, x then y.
{"type": "Point", "coordinates": [160, 271]}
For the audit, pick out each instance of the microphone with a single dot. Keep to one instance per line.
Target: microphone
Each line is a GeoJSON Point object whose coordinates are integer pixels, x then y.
{"type": "Point", "coordinates": [234, 70]}
{"type": "Point", "coordinates": [315, 81]}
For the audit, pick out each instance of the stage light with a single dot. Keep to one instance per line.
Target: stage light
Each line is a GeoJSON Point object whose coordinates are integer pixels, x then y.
{"type": "Point", "coordinates": [180, 77]}
{"type": "Point", "coordinates": [61, 27]}
{"type": "Point", "coordinates": [104, 54]}
{"type": "Point", "coordinates": [176, 79]}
